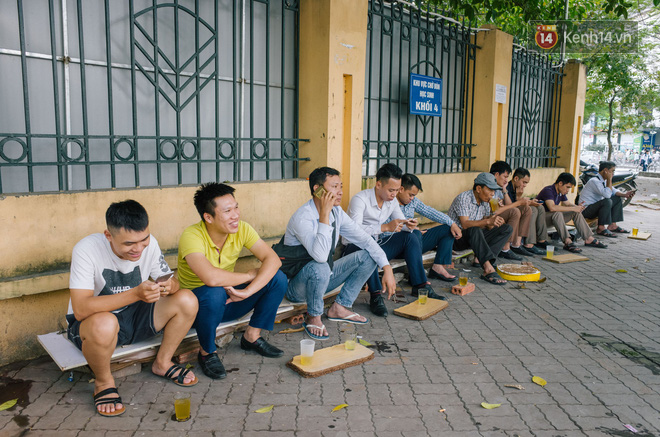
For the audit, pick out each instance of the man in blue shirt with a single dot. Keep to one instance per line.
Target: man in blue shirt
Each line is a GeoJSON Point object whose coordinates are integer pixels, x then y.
{"type": "Point", "coordinates": [441, 238]}
{"type": "Point", "coordinates": [604, 201]}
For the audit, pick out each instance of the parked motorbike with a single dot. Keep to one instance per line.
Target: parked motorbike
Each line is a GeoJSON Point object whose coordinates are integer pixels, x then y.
{"type": "Point", "coordinates": [623, 179]}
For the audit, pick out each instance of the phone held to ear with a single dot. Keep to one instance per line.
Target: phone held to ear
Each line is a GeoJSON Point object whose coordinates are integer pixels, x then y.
{"type": "Point", "coordinates": [320, 192]}
{"type": "Point", "coordinates": [164, 278]}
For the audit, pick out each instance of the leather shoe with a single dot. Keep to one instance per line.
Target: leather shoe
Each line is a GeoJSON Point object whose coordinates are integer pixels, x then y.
{"type": "Point", "coordinates": [510, 255]}
{"type": "Point", "coordinates": [211, 366]}
{"type": "Point", "coordinates": [522, 250]}
{"type": "Point", "coordinates": [262, 347]}
{"type": "Point", "coordinates": [535, 250]}
{"type": "Point", "coordinates": [432, 294]}
{"type": "Point", "coordinates": [435, 275]}
{"type": "Point", "coordinates": [377, 305]}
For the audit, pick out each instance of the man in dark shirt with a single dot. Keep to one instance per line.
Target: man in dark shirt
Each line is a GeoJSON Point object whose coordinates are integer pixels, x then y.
{"type": "Point", "coordinates": [559, 210]}
{"type": "Point", "coordinates": [535, 242]}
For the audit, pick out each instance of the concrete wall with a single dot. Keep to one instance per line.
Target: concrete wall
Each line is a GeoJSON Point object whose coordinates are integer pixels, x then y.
{"type": "Point", "coordinates": [39, 231]}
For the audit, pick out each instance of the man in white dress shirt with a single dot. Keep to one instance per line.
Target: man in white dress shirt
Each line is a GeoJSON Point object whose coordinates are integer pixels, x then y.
{"type": "Point", "coordinates": [316, 226]}
{"type": "Point", "coordinates": [371, 209]}
{"type": "Point", "coordinates": [604, 201]}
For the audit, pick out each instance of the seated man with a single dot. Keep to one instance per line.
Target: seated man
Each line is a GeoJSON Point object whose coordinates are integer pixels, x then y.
{"type": "Point", "coordinates": [604, 201]}
{"type": "Point", "coordinates": [559, 210]}
{"type": "Point", "coordinates": [516, 214]}
{"type": "Point", "coordinates": [113, 302]}
{"type": "Point", "coordinates": [538, 230]}
{"type": "Point", "coordinates": [371, 209]}
{"type": "Point", "coordinates": [486, 234]}
{"type": "Point", "coordinates": [441, 238]}
{"type": "Point", "coordinates": [316, 226]}
{"type": "Point", "coordinates": [208, 252]}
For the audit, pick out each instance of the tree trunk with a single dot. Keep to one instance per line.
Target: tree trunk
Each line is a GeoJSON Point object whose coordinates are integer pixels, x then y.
{"type": "Point", "coordinates": [609, 129]}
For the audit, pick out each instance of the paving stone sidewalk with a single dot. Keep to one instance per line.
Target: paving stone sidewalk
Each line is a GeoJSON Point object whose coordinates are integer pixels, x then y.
{"type": "Point", "coordinates": [592, 333]}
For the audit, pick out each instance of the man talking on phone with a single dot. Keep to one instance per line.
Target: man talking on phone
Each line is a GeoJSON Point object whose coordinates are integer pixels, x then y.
{"type": "Point", "coordinates": [601, 199]}
{"type": "Point", "coordinates": [377, 211]}
{"type": "Point", "coordinates": [314, 231]}
{"type": "Point", "coordinates": [114, 302]}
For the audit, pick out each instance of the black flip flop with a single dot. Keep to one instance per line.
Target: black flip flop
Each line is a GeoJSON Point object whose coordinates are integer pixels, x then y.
{"type": "Point", "coordinates": [492, 278]}
{"type": "Point", "coordinates": [597, 244]}
{"type": "Point", "coordinates": [572, 248]}
{"type": "Point", "coordinates": [619, 230]}
{"type": "Point", "coordinates": [100, 400]}
{"type": "Point", "coordinates": [606, 233]}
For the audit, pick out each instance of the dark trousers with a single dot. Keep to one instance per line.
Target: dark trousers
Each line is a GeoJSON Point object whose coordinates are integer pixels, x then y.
{"type": "Point", "coordinates": [404, 245]}
{"type": "Point", "coordinates": [440, 239]}
{"type": "Point", "coordinates": [486, 243]}
{"type": "Point", "coordinates": [608, 211]}
{"type": "Point", "coordinates": [214, 310]}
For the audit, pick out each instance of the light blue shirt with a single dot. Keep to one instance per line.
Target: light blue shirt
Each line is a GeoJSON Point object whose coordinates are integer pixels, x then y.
{"type": "Point", "coordinates": [595, 190]}
{"type": "Point", "coordinates": [419, 207]}
{"type": "Point", "coordinates": [305, 228]}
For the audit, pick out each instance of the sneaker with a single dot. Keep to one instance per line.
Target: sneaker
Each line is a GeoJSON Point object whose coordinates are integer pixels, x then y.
{"type": "Point", "coordinates": [377, 305]}
{"type": "Point", "coordinates": [521, 250]}
{"type": "Point", "coordinates": [211, 365]}
{"type": "Point", "coordinates": [510, 255]}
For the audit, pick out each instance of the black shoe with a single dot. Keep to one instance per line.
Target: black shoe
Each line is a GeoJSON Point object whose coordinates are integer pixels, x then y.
{"type": "Point", "coordinates": [432, 294]}
{"type": "Point", "coordinates": [211, 366]}
{"type": "Point", "coordinates": [510, 255]}
{"type": "Point", "coordinates": [435, 275]}
{"type": "Point", "coordinates": [377, 305]}
{"type": "Point", "coordinates": [521, 250]}
{"type": "Point", "coordinates": [542, 246]}
{"type": "Point", "coordinates": [262, 347]}
{"type": "Point", "coordinates": [535, 250]}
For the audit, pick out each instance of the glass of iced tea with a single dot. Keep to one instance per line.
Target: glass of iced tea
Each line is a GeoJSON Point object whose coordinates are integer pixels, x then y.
{"type": "Point", "coordinates": [462, 279]}
{"type": "Point", "coordinates": [549, 251]}
{"type": "Point", "coordinates": [422, 296]}
{"type": "Point", "coordinates": [349, 336]}
{"type": "Point", "coordinates": [494, 204]}
{"type": "Point", "coordinates": [634, 232]}
{"type": "Point", "coordinates": [306, 351]}
{"type": "Point", "coordinates": [182, 406]}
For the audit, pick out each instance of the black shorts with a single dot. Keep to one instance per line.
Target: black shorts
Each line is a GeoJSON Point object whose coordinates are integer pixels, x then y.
{"type": "Point", "coordinates": [136, 323]}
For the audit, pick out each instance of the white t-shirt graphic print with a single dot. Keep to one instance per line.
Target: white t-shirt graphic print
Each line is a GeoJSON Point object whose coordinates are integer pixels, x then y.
{"type": "Point", "coordinates": [94, 266]}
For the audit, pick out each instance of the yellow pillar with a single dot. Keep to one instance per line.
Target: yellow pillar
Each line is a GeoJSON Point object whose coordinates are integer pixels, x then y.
{"type": "Point", "coordinates": [492, 68]}
{"type": "Point", "coordinates": [574, 88]}
{"type": "Point", "coordinates": [333, 37]}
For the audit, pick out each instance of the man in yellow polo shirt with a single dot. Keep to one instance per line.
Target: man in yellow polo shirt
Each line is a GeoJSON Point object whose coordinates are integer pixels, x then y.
{"type": "Point", "coordinates": [208, 252]}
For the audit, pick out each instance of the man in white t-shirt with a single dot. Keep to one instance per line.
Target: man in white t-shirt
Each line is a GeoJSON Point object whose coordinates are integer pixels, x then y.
{"type": "Point", "coordinates": [114, 302]}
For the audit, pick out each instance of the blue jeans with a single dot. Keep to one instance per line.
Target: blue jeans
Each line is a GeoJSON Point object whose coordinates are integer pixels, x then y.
{"type": "Point", "coordinates": [214, 310]}
{"type": "Point", "coordinates": [316, 279]}
{"type": "Point", "coordinates": [440, 239]}
{"type": "Point", "coordinates": [398, 245]}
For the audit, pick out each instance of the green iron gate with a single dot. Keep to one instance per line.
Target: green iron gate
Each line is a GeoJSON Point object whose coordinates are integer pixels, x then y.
{"type": "Point", "coordinates": [535, 100]}
{"type": "Point", "coordinates": [406, 38]}
{"type": "Point", "coordinates": [103, 94]}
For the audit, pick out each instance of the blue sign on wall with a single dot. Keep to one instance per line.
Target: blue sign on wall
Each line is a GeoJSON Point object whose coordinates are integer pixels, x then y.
{"type": "Point", "coordinates": [425, 95]}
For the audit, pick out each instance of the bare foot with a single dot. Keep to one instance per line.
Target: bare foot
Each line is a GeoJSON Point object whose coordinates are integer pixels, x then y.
{"type": "Point", "coordinates": [337, 311]}
{"type": "Point", "coordinates": [316, 321]}
{"type": "Point", "coordinates": [440, 269]}
{"type": "Point", "coordinates": [160, 370]}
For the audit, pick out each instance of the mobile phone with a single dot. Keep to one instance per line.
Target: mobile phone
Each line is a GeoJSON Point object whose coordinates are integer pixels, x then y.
{"type": "Point", "coordinates": [320, 192]}
{"type": "Point", "coordinates": [164, 278]}
{"type": "Point", "coordinates": [539, 201]}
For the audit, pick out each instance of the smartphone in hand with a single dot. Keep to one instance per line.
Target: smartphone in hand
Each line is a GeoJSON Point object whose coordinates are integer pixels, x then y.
{"type": "Point", "coordinates": [320, 192]}
{"type": "Point", "coordinates": [164, 278]}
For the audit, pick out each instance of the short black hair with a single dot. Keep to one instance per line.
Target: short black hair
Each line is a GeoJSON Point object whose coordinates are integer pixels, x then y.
{"type": "Point", "coordinates": [129, 215]}
{"type": "Point", "coordinates": [387, 172]}
{"type": "Point", "coordinates": [474, 187]}
{"type": "Point", "coordinates": [206, 194]}
{"type": "Point", "coordinates": [319, 175]}
{"type": "Point", "coordinates": [409, 179]}
{"type": "Point", "coordinates": [520, 173]}
{"type": "Point", "coordinates": [500, 167]}
{"type": "Point", "coordinates": [606, 165]}
{"type": "Point", "coordinates": [565, 178]}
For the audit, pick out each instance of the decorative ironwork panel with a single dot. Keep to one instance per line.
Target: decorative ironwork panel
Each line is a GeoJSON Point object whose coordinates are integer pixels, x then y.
{"type": "Point", "coordinates": [417, 39]}
{"type": "Point", "coordinates": [147, 93]}
{"type": "Point", "coordinates": [535, 99]}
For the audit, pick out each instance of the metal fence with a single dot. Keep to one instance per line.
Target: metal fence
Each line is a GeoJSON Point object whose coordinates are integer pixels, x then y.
{"type": "Point", "coordinates": [406, 38]}
{"type": "Point", "coordinates": [535, 99]}
{"type": "Point", "coordinates": [105, 94]}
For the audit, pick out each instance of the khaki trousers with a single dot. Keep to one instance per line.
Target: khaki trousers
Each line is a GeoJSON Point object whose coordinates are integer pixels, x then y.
{"type": "Point", "coordinates": [559, 219]}
{"type": "Point", "coordinates": [518, 218]}
{"type": "Point", "coordinates": [538, 230]}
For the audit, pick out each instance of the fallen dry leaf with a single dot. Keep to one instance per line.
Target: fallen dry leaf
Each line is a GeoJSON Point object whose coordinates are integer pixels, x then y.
{"type": "Point", "coordinates": [8, 404]}
{"type": "Point", "coordinates": [538, 380]}
{"type": "Point", "coordinates": [442, 410]}
{"type": "Point", "coordinates": [488, 406]}
{"type": "Point", "coordinates": [518, 386]}
{"type": "Point", "coordinates": [264, 409]}
{"type": "Point", "coordinates": [290, 330]}
{"type": "Point", "coordinates": [542, 280]}
{"type": "Point", "coordinates": [339, 407]}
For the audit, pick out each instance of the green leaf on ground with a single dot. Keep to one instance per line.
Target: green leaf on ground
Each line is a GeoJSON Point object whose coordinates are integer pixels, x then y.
{"type": "Point", "coordinates": [538, 380]}
{"type": "Point", "coordinates": [365, 343]}
{"type": "Point", "coordinates": [7, 405]}
{"type": "Point", "coordinates": [488, 406]}
{"type": "Point", "coordinates": [621, 271]}
{"type": "Point", "coordinates": [264, 409]}
{"type": "Point", "coordinates": [339, 407]}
